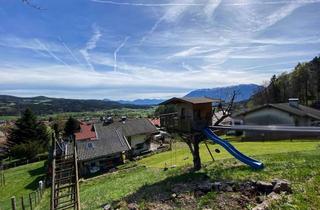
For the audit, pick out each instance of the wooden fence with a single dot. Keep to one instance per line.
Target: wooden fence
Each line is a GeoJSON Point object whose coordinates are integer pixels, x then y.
{"type": "Point", "coordinates": [28, 202]}
{"type": "Point", "coordinates": [21, 162]}
{"type": "Point", "coordinates": [2, 177]}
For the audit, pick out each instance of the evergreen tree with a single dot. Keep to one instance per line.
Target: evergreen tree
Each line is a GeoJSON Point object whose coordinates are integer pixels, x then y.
{"type": "Point", "coordinates": [28, 137]}
{"type": "Point", "coordinates": [72, 125]}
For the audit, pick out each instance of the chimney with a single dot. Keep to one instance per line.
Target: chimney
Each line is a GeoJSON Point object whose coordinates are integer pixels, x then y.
{"type": "Point", "coordinates": [108, 121]}
{"type": "Point", "coordinates": [123, 119]}
{"type": "Point", "coordinates": [294, 102]}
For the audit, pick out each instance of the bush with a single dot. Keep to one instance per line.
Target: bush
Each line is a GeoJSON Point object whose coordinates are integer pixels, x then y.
{"type": "Point", "coordinates": [27, 150]}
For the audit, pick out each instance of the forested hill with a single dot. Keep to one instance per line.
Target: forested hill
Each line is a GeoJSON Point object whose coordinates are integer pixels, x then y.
{"type": "Point", "coordinates": [303, 83]}
{"type": "Point", "coordinates": [11, 105]}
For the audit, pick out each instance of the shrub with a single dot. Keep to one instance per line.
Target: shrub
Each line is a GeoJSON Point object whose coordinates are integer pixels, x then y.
{"type": "Point", "coordinates": [27, 150]}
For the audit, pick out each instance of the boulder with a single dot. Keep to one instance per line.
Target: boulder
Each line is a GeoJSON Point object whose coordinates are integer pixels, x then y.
{"type": "Point", "coordinates": [264, 187]}
{"type": "Point", "coordinates": [205, 186]}
{"type": "Point", "coordinates": [267, 203]}
{"type": "Point", "coordinates": [217, 186]}
{"type": "Point", "coordinates": [282, 186]}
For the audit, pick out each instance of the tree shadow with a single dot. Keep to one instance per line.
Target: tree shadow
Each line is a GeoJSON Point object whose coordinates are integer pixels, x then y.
{"type": "Point", "coordinates": [39, 173]}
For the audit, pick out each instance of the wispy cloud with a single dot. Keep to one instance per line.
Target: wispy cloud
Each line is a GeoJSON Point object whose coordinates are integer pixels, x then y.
{"type": "Point", "coordinates": [43, 46]}
{"type": "Point", "coordinates": [90, 45]}
{"type": "Point", "coordinates": [115, 53]}
{"type": "Point", "coordinates": [70, 52]}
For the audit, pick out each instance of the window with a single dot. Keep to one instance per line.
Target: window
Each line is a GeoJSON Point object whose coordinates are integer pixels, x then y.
{"type": "Point", "coordinates": [139, 146]}
{"type": "Point", "coordinates": [183, 113]}
{"type": "Point", "coordinates": [90, 145]}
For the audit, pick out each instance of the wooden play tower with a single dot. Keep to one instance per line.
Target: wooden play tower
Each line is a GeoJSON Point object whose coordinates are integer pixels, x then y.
{"type": "Point", "coordinates": [190, 115]}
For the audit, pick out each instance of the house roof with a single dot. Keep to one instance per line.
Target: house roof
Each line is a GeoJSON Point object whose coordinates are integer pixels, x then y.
{"type": "Point", "coordinates": [301, 110]}
{"type": "Point", "coordinates": [111, 138]}
{"type": "Point", "coordinates": [191, 100]}
{"type": "Point", "coordinates": [155, 121]}
{"type": "Point", "coordinates": [86, 132]}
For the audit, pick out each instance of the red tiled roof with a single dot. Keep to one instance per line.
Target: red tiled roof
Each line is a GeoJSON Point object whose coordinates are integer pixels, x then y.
{"type": "Point", "coordinates": [155, 121]}
{"type": "Point", "coordinates": [86, 132]}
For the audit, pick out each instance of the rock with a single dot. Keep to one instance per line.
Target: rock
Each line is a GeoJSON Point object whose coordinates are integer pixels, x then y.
{"type": "Point", "coordinates": [133, 206]}
{"type": "Point", "coordinates": [267, 203]}
{"type": "Point", "coordinates": [107, 207]}
{"type": "Point", "coordinates": [282, 186]}
{"type": "Point", "coordinates": [199, 193]}
{"type": "Point", "coordinates": [216, 186]}
{"type": "Point", "coordinates": [205, 186]}
{"type": "Point", "coordinates": [265, 187]}
{"type": "Point", "coordinates": [229, 188]}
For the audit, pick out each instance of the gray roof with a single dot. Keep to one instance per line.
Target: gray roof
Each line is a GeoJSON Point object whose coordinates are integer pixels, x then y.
{"type": "Point", "coordinates": [192, 100]}
{"type": "Point", "coordinates": [111, 138]}
{"type": "Point", "coordinates": [302, 111]}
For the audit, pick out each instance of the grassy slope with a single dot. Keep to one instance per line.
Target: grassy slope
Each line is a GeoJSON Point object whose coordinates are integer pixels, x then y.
{"type": "Point", "coordinates": [302, 168]}
{"type": "Point", "coordinates": [20, 181]}
{"type": "Point", "coordinates": [181, 156]}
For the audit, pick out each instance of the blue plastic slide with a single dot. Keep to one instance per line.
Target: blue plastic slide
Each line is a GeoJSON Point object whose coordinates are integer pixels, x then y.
{"type": "Point", "coordinates": [232, 150]}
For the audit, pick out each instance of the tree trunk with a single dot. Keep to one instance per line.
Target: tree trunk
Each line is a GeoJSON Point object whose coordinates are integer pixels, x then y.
{"type": "Point", "coordinates": [194, 149]}
{"type": "Point", "coordinates": [196, 156]}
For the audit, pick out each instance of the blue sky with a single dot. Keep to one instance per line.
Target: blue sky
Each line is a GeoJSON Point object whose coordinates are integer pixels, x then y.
{"type": "Point", "coordinates": [150, 48]}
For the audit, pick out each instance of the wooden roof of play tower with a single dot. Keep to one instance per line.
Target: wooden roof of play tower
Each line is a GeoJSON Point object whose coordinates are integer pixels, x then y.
{"type": "Point", "coordinates": [191, 100]}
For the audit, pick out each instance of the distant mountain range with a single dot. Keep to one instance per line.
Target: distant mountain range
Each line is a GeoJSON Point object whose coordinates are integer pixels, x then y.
{"type": "Point", "coordinates": [244, 92]}
{"type": "Point", "coordinates": [12, 105]}
{"type": "Point", "coordinates": [145, 102]}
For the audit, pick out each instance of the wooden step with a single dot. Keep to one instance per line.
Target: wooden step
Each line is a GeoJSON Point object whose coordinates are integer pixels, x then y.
{"type": "Point", "coordinates": [65, 186]}
{"type": "Point", "coordinates": [67, 206]}
{"type": "Point", "coordinates": [65, 195]}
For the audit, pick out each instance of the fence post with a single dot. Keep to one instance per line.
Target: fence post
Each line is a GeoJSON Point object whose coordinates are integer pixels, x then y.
{"type": "Point", "coordinates": [38, 196]}
{"type": "Point", "coordinates": [35, 198]}
{"type": "Point", "coordinates": [22, 203]}
{"type": "Point", "coordinates": [13, 203]}
{"type": "Point", "coordinates": [30, 201]}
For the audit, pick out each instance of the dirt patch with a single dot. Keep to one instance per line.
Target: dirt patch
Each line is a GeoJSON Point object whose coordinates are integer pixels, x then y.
{"type": "Point", "coordinates": [201, 193]}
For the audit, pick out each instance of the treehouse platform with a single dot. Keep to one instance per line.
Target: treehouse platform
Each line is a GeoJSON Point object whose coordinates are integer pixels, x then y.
{"type": "Point", "coordinates": [190, 114]}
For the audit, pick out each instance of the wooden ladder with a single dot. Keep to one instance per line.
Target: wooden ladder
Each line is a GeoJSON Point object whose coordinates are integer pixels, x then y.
{"type": "Point", "coordinates": [65, 183]}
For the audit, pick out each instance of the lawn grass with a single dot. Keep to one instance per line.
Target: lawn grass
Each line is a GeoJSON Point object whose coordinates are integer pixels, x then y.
{"type": "Point", "coordinates": [297, 161]}
{"type": "Point", "coordinates": [181, 156]}
{"type": "Point", "coordinates": [20, 181]}
{"type": "Point", "coordinates": [301, 168]}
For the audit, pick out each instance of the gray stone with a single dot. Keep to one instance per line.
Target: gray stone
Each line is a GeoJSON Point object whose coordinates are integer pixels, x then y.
{"type": "Point", "coordinates": [205, 186]}
{"type": "Point", "coordinates": [265, 187]}
{"type": "Point", "coordinates": [228, 188]}
{"type": "Point", "coordinates": [217, 186]}
{"type": "Point", "coordinates": [107, 207]}
{"type": "Point", "coordinates": [282, 186]}
{"type": "Point", "coordinates": [267, 203]}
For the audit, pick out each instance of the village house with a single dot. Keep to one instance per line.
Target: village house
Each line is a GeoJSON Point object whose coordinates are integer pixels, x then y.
{"type": "Point", "coordinates": [285, 114]}
{"type": "Point", "coordinates": [102, 146]}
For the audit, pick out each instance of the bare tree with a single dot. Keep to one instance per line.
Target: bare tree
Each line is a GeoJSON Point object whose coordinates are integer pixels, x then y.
{"type": "Point", "coordinates": [193, 141]}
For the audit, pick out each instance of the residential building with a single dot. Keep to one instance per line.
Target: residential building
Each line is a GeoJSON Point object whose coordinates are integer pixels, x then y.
{"type": "Point", "coordinates": [286, 114]}
{"type": "Point", "coordinates": [112, 143]}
